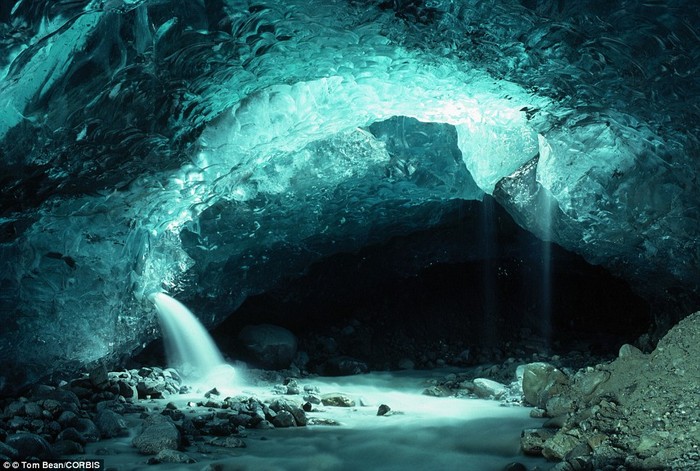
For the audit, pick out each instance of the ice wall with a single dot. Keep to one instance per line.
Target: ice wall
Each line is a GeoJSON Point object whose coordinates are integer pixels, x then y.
{"type": "Point", "coordinates": [209, 148]}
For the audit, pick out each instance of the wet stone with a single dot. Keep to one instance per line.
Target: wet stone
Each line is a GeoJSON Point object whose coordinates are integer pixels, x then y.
{"type": "Point", "coordinates": [532, 440]}
{"type": "Point", "coordinates": [99, 377]}
{"type": "Point", "coordinates": [87, 429]}
{"type": "Point", "coordinates": [437, 391]}
{"type": "Point", "coordinates": [383, 409]}
{"type": "Point", "coordinates": [487, 388]}
{"type": "Point", "coordinates": [67, 447]}
{"type": "Point", "coordinates": [110, 424]}
{"type": "Point", "coordinates": [159, 433]}
{"type": "Point", "coordinates": [337, 400]}
{"type": "Point", "coordinates": [7, 450]}
{"type": "Point", "coordinates": [228, 442]}
{"type": "Point", "coordinates": [284, 419]}
{"type": "Point", "coordinates": [559, 446]}
{"type": "Point", "coordinates": [29, 445]}
{"type": "Point", "coordinates": [71, 434]}
{"type": "Point", "coordinates": [171, 456]}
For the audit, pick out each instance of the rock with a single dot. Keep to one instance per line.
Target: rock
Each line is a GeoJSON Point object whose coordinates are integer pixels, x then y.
{"type": "Point", "coordinates": [628, 350]}
{"type": "Point", "coordinates": [264, 425]}
{"type": "Point", "coordinates": [337, 400]}
{"type": "Point", "coordinates": [268, 346]}
{"type": "Point", "coordinates": [67, 418]}
{"type": "Point", "coordinates": [532, 440]}
{"type": "Point", "coordinates": [291, 407]}
{"type": "Point", "coordinates": [437, 391]}
{"type": "Point", "coordinates": [171, 456]}
{"type": "Point", "coordinates": [559, 446]}
{"type": "Point", "coordinates": [71, 434]}
{"type": "Point", "coordinates": [559, 406]}
{"type": "Point", "coordinates": [159, 433]}
{"type": "Point", "coordinates": [486, 388]}
{"type": "Point", "coordinates": [32, 410]}
{"type": "Point", "coordinates": [589, 382]}
{"type": "Point", "coordinates": [540, 381]}
{"type": "Point", "coordinates": [343, 366]}
{"type": "Point", "coordinates": [406, 364]}
{"type": "Point", "coordinates": [52, 406]}
{"type": "Point", "coordinates": [7, 450]}
{"type": "Point", "coordinates": [127, 389]}
{"type": "Point", "coordinates": [99, 377]}
{"type": "Point", "coordinates": [150, 388]}
{"type": "Point", "coordinates": [110, 424]}
{"type": "Point", "coordinates": [15, 409]}
{"type": "Point", "coordinates": [228, 442]}
{"type": "Point", "coordinates": [65, 397]}
{"type": "Point", "coordinates": [283, 419]}
{"type": "Point", "coordinates": [312, 399]}
{"type": "Point", "coordinates": [515, 467]}
{"type": "Point", "coordinates": [383, 409]}
{"type": "Point", "coordinates": [29, 445]}
{"type": "Point", "coordinates": [323, 421]}
{"type": "Point", "coordinates": [67, 447]}
{"type": "Point", "coordinates": [87, 429]}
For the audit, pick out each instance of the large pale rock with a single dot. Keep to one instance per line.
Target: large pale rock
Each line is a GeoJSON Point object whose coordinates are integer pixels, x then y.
{"type": "Point", "coordinates": [487, 388]}
{"type": "Point", "coordinates": [541, 381]}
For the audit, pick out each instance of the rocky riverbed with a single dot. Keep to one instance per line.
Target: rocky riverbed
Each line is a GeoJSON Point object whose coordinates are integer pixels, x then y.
{"type": "Point", "coordinates": [638, 411]}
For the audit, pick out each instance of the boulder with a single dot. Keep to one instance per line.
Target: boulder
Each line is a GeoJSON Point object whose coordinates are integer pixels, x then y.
{"type": "Point", "coordinates": [337, 400]}
{"type": "Point", "coordinates": [29, 445]}
{"type": "Point", "coordinates": [268, 346]}
{"type": "Point", "coordinates": [283, 419]}
{"type": "Point", "coordinates": [67, 447]}
{"type": "Point", "coordinates": [87, 429]}
{"type": "Point", "coordinates": [98, 377]}
{"type": "Point", "coordinates": [541, 381]}
{"type": "Point", "coordinates": [111, 424]}
{"type": "Point", "coordinates": [8, 451]}
{"type": "Point", "coordinates": [487, 388]}
{"type": "Point", "coordinates": [159, 433]}
{"type": "Point", "coordinates": [72, 435]}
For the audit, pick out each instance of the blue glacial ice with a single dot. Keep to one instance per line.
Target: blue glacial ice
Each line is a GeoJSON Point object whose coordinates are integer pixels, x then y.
{"type": "Point", "coordinates": [210, 148]}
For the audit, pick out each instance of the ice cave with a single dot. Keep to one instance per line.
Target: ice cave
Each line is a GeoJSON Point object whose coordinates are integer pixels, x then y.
{"type": "Point", "coordinates": [350, 234]}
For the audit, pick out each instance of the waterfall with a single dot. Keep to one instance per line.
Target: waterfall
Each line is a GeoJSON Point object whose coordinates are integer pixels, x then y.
{"type": "Point", "coordinates": [188, 345]}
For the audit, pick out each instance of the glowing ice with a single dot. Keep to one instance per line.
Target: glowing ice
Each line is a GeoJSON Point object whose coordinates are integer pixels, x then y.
{"type": "Point", "coordinates": [189, 346]}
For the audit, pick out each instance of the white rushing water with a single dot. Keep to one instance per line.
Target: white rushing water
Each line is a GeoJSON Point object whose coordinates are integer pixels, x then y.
{"type": "Point", "coordinates": [421, 433]}
{"type": "Point", "coordinates": [188, 345]}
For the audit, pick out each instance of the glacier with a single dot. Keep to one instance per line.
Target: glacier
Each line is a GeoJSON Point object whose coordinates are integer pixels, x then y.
{"type": "Point", "coordinates": [211, 148]}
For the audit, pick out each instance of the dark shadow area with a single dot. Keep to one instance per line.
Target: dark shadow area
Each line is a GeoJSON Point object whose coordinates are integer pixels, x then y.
{"type": "Point", "coordinates": [486, 297]}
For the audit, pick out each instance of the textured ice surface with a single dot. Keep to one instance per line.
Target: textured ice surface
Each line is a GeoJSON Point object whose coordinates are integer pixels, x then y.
{"type": "Point", "coordinates": [210, 147]}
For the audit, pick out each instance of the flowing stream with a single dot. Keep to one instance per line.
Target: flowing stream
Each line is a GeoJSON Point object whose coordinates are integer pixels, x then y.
{"type": "Point", "coordinates": [188, 345]}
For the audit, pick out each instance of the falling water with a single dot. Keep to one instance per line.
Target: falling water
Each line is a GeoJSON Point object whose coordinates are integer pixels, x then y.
{"type": "Point", "coordinates": [188, 345]}
{"type": "Point", "coordinates": [488, 250]}
{"type": "Point", "coordinates": [546, 207]}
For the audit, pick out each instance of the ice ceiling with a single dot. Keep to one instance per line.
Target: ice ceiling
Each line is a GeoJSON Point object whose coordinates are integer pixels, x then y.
{"type": "Point", "coordinates": [211, 147]}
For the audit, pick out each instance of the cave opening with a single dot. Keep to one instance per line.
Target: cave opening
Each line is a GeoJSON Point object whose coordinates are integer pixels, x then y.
{"type": "Point", "coordinates": [481, 299]}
